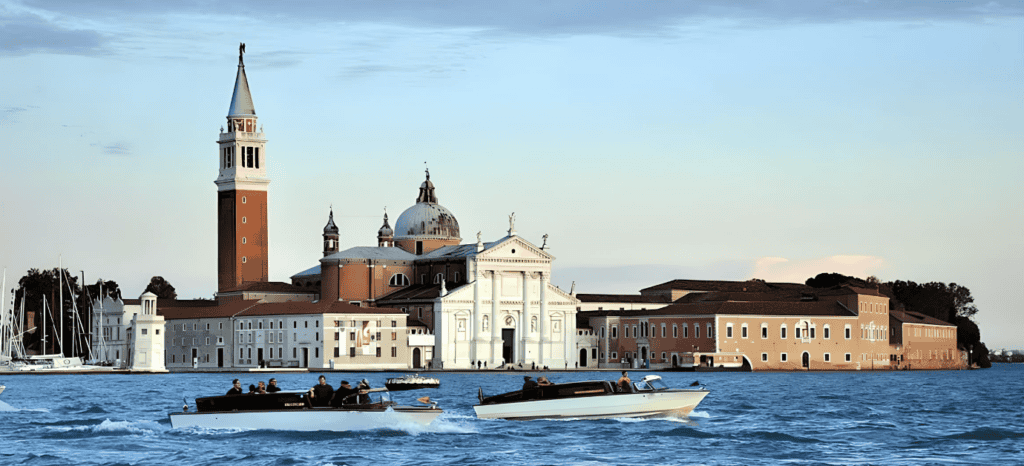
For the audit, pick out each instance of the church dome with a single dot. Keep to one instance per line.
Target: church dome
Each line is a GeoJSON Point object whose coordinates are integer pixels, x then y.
{"type": "Point", "coordinates": [427, 219]}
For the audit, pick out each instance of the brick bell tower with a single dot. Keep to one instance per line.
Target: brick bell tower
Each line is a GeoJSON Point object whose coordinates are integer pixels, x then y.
{"type": "Point", "coordinates": [241, 192]}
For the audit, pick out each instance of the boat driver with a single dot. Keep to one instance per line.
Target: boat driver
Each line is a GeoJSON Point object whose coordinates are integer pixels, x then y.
{"type": "Point", "coordinates": [320, 394]}
{"type": "Point", "coordinates": [236, 388]}
{"type": "Point", "coordinates": [272, 387]}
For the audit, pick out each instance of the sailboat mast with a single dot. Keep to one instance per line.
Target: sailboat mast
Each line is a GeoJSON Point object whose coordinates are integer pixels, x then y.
{"type": "Point", "coordinates": [60, 277]}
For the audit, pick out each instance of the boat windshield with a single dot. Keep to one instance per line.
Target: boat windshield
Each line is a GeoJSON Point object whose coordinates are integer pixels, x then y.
{"type": "Point", "coordinates": [657, 384]}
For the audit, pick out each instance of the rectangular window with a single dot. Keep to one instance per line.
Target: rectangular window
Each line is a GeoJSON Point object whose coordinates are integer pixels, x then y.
{"type": "Point", "coordinates": [394, 352]}
{"type": "Point", "coordinates": [663, 330]}
{"type": "Point", "coordinates": [782, 332]}
{"type": "Point", "coordinates": [378, 351]}
{"type": "Point", "coordinates": [764, 357]}
{"type": "Point", "coordinates": [784, 356]}
{"type": "Point", "coordinates": [337, 351]}
{"type": "Point", "coordinates": [828, 357]}
{"type": "Point", "coordinates": [337, 336]}
{"type": "Point", "coordinates": [847, 357]}
{"type": "Point", "coordinates": [796, 332]}
{"type": "Point", "coordinates": [394, 336]}
{"type": "Point", "coordinates": [316, 352]}
{"type": "Point", "coordinates": [686, 331]}
{"type": "Point", "coordinates": [848, 332]}
{"type": "Point", "coordinates": [394, 323]}
{"type": "Point", "coordinates": [352, 336]}
{"type": "Point", "coordinates": [826, 333]}
{"type": "Point", "coordinates": [675, 331]}
{"type": "Point", "coordinates": [696, 330]}
{"type": "Point", "coordinates": [295, 352]}
{"type": "Point", "coordinates": [743, 331]}
{"type": "Point", "coordinates": [728, 331]}
{"type": "Point", "coordinates": [143, 331]}
{"type": "Point", "coordinates": [711, 331]}
{"type": "Point", "coordinates": [812, 333]}
{"type": "Point", "coordinates": [352, 351]}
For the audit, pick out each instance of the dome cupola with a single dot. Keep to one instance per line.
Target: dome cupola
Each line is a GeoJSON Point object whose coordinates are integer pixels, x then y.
{"type": "Point", "coordinates": [427, 225]}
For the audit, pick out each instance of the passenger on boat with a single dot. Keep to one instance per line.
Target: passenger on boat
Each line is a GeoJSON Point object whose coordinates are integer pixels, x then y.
{"type": "Point", "coordinates": [261, 388]}
{"type": "Point", "coordinates": [529, 383]}
{"type": "Point", "coordinates": [624, 384]}
{"type": "Point", "coordinates": [364, 396]}
{"type": "Point", "coordinates": [236, 388]}
{"type": "Point", "coordinates": [543, 381]}
{"type": "Point", "coordinates": [272, 386]}
{"type": "Point", "coordinates": [320, 394]}
{"type": "Point", "coordinates": [341, 395]}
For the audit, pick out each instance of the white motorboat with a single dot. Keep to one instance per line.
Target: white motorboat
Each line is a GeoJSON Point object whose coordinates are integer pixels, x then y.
{"type": "Point", "coordinates": [596, 399]}
{"type": "Point", "coordinates": [288, 410]}
{"type": "Point", "coordinates": [411, 382]}
{"type": "Point", "coordinates": [2, 388]}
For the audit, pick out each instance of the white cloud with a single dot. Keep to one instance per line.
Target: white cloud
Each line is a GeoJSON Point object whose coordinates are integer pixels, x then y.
{"type": "Point", "coordinates": [779, 269]}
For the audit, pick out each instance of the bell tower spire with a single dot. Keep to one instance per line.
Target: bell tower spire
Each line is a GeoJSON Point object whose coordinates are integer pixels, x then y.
{"type": "Point", "coordinates": [242, 183]}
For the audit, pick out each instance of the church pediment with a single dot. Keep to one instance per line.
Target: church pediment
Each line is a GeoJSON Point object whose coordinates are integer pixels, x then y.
{"type": "Point", "coordinates": [515, 248]}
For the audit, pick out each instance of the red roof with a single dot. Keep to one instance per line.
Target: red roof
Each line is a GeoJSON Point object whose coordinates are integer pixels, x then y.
{"type": "Point", "coordinates": [252, 307]}
{"type": "Point", "coordinates": [911, 317]}
{"type": "Point", "coordinates": [622, 298]}
{"type": "Point", "coordinates": [269, 287]}
{"type": "Point", "coordinates": [766, 308]}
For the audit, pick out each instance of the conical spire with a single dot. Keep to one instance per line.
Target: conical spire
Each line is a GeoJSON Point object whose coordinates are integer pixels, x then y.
{"type": "Point", "coordinates": [241, 100]}
{"type": "Point", "coordinates": [331, 228]}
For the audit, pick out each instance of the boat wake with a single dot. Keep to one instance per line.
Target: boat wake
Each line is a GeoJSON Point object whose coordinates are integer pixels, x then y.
{"type": "Point", "coordinates": [108, 427]}
{"type": "Point", "coordinates": [4, 407]}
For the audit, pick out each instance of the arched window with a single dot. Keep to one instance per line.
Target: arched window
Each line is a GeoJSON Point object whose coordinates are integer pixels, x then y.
{"type": "Point", "coordinates": [399, 279]}
{"type": "Point", "coordinates": [438, 278]}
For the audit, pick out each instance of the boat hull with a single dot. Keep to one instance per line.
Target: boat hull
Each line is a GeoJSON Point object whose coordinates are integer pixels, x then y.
{"type": "Point", "coordinates": [316, 419]}
{"type": "Point", "coordinates": [667, 403]}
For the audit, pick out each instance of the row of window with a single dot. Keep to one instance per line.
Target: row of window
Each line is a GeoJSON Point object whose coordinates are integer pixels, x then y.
{"type": "Point", "coordinates": [352, 352]}
{"type": "Point", "coordinates": [784, 357]}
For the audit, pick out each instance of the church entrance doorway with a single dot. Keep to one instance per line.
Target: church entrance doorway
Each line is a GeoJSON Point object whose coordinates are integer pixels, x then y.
{"type": "Point", "coordinates": [675, 361]}
{"type": "Point", "coordinates": [508, 341]}
{"type": "Point", "coordinates": [415, 358]}
{"type": "Point", "coordinates": [583, 358]}
{"type": "Point", "coordinates": [643, 354]}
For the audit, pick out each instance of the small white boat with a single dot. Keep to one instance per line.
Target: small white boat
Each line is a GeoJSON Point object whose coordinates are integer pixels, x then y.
{"type": "Point", "coordinates": [2, 388]}
{"type": "Point", "coordinates": [288, 410]}
{"type": "Point", "coordinates": [597, 399]}
{"type": "Point", "coordinates": [411, 382]}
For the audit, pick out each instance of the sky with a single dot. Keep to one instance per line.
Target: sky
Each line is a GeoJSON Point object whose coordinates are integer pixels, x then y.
{"type": "Point", "coordinates": [659, 140]}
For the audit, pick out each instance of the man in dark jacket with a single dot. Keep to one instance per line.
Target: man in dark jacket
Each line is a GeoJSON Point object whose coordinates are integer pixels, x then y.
{"type": "Point", "coordinates": [272, 387]}
{"type": "Point", "coordinates": [236, 388]}
{"type": "Point", "coordinates": [343, 392]}
{"type": "Point", "coordinates": [320, 394]}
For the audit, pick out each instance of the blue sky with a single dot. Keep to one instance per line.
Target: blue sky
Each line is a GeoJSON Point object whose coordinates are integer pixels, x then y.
{"type": "Point", "coordinates": [650, 140]}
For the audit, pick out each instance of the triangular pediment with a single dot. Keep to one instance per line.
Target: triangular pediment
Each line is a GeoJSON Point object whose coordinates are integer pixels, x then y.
{"type": "Point", "coordinates": [514, 248]}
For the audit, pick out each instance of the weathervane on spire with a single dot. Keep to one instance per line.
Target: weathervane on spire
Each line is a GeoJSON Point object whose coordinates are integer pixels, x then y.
{"type": "Point", "coordinates": [241, 50]}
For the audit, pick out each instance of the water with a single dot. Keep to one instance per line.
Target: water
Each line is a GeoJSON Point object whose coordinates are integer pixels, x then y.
{"type": "Point", "coordinates": [964, 417]}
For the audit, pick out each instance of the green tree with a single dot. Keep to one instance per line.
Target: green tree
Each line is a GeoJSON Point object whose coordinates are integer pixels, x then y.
{"type": "Point", "coordinates": [38, 285]}
{"type": "Point", "coordinates": [161, 288]}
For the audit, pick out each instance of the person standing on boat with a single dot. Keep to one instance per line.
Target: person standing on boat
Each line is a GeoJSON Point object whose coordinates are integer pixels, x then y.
{"type": "Point", "coordinates": [236, 388]}
{"type": "Point", "coordinates": [320, 394]}
{"type": "Point", "coordinates": [272, 386]}
{"type": "Point", "coordinates": [364, 394]}
{"type": "Point", "coordinates": [625, 385]}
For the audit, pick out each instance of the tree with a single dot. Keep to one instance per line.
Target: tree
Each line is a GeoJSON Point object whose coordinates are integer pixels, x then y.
{"type": "Point", "coordinates": [38, 285]}
{"type": "Point", "coordinates": [161, 288]}
{"type": "Point", "coordinates": [828, 280]}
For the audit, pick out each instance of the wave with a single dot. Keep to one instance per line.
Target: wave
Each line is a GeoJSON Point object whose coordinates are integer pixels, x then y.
{"type": "Point", "coordinates": [987, 433]}
{"type": "Point", "coordinates": [4, 407]}
{"type": "Point", "coordinates": [778, 437]}
{"type": "Point", "coordinates": [108, 427]}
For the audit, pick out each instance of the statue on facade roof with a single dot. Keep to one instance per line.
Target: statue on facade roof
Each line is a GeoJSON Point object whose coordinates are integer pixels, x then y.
{"type": "Point", "coordinates": [512, 224]}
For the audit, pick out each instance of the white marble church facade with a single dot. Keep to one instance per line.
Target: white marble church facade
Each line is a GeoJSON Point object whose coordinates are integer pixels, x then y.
{"type": "Point", "coordinates": [508, 312]}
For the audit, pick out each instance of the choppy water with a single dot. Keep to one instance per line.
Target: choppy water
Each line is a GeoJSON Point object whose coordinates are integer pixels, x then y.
{"type": "Point", "coordinates": [966, 417]}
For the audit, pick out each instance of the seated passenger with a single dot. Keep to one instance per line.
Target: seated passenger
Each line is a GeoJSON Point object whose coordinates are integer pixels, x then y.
{"type": "Point", "coordinates": [364, 395]}
{"type": "Point", "coordinates": [544, 382]}
{"type": "Point", "coordinates": [624, 384]}
{"type": "Point", "coordinates": [528, 383]}
{"type": "Point", "coordinates": [320, 394]}
{"type": "Point", "coordinates": [341, 395]}
{"type": "Point", "coordinates": [272, 386]}
{"type": "Point", "coordinates": [261, 388]}
{"type": "Point", "coordinates": [236, 388]}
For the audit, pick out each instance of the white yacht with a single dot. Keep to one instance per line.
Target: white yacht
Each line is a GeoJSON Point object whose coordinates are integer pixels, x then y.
{"type": "Point", "coordinates": [288, 410]}
{"type": "Point", "coordinates": [595, 399]}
